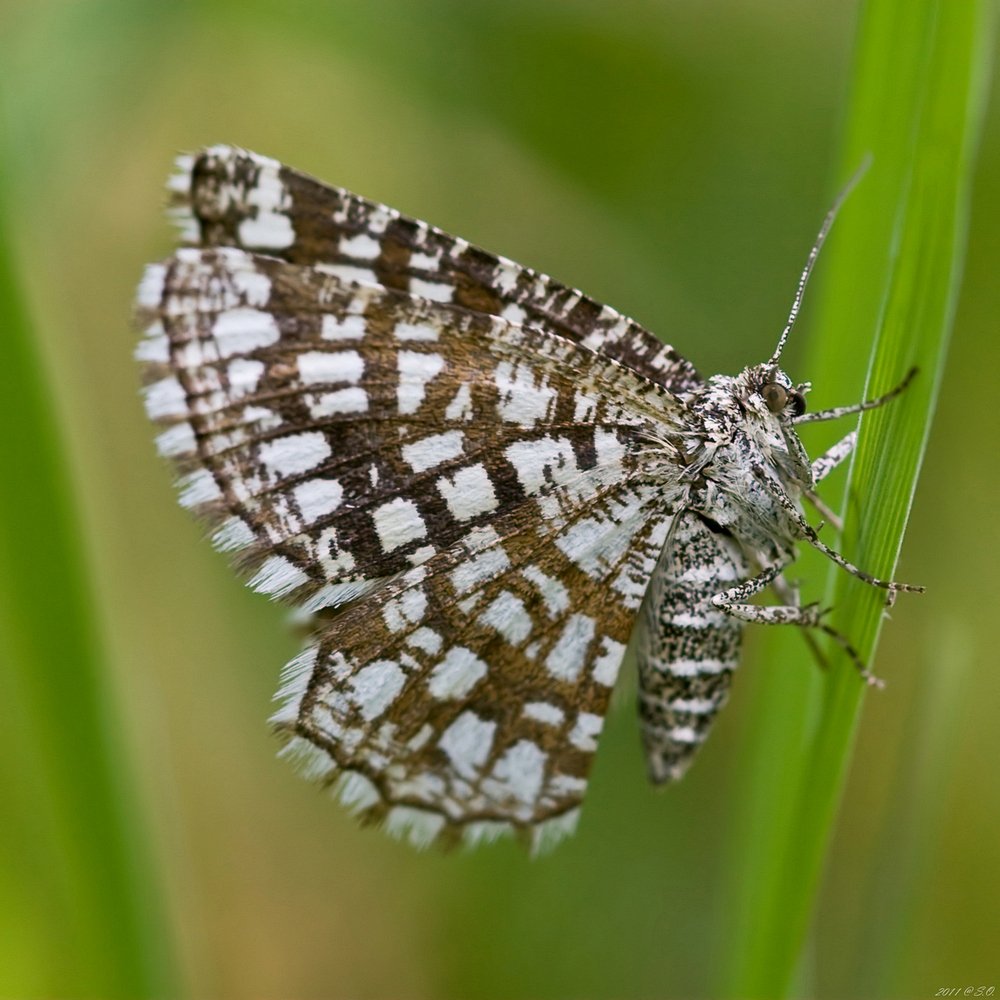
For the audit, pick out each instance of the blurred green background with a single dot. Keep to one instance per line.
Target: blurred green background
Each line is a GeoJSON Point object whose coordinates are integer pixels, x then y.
{"type": "Point", "coordinates": [672, 158]}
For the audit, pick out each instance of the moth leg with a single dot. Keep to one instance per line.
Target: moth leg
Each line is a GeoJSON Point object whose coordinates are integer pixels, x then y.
{"type": "Point", "coordinates": [829, 516]}
{"type": "Point", "coordinates": [809, 534]}
{"type": "Point", "coordinates": [734, 602]}
{"type": "Point", "coordinates": [836, 412]}
{"type": "Point", "coordinates": [831, 458]}
{"type": "Point", "coordinates": [810, 616]}
{"type": "Point", "coordinates": [821, 468]}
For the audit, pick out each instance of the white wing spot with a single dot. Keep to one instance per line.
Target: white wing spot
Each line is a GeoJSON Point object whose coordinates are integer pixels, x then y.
{"type": "Point", "coordinates": [424, 261]}
{"type": "Point", "coordinates": [426, 639]}
{"type": "Point", "coordinates": [478, 569]}
{"type": "Point", "coordinates": [524, 397]}
{"type": "Point", "coordinates": [567, 656]}
{"type": "Point", "coordinates": [505, 276]}
{"type": "Point", "coordinates": [233, 535]}
{"type": "Point", "coordinates": [584, 407]}
{"type": "Point", "coordinates": [543, 462]}
{"type": "Point", "coordinates": [605, 667]}
{"type": "Point", "coordinates": [419, 827]}
{"type": "Point", "coordinates": [518, 774]}
{"type": "Point", "coordinates": [351, 327]}
{"type": "Point", "coordinates": [253, 286]}
{"type": "Point", "coordinates": [357, 792]}
{"type": "Point", "coordinates": [415, 371]}
{"type": "Point", "coordinates": [199, 487]}
{"type": "Point", "coordinates": [243, 375]}
{"type": "Point", "coordinates": [155, 347]}
{"type": "Point", "coordinates": [295, 454]}
{"type": "Point", "coordinates": [165, 398]}
{"type": "Point", "coordinates": [354, 399]}
{"type": "Point", "coordinates": [375, 687]}
{"type": "Point", "coordinates": [239, 331]}
{"type": "Point", "coordinates": [456, 675]}
{"type": "Point", "coordinates": [150, 293]}
{"type": "Point", "coordinates": [317, 498]}
{"type": "Point", "coordinates": [433, 290]}
{"type": "Point", "coordinates": [271, 229]}
{"type": "Point", "coordinates": [433, 450]}
{"type": "Point", "coordinates": [585, 732]}
{"type": "Point", "coordinates": [331, 366]}
{"type": "Point", "coordinates": [406, 609]}
{"type": "Point", "coordinates": [422, 737]}
{"type": "Point", "coordinates": [398, 522]}
{"type": "Point", "coordinates": [177, 440]}
{"type": "Point", "coordinates": [509, 617]}
{"type": "Point", "coordinates": [362, 246]}
{"type": "Point", "coordinates": [568, 784]}
{"type": "Point", "coordinates": [542, 711]}
{"type": "Point", "coordinates": [348, 273]}
{"type": "Point", "coordinates": [468, 493]}
{"type": "Point", "coordinates": [380, 217]}
{"type": "Point", "coordinates": [467, 742]}
{"type": "Point", "coordinates": [609, 449]}
{"type": "Point", "coordinates": [484, 831]}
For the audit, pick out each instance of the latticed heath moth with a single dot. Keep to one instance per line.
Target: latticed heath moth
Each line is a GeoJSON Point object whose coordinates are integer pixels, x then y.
{"type": "Point", "coordinates": [479, 482]}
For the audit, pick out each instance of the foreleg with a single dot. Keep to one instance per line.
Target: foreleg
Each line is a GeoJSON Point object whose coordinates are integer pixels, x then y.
{"type": "Point", "coordinates": [836, 412]}
{"type": "Point", "coordinates": [821, 468]}
{"type": "Point", "coordinates": [832, 457]}
{"type": "Point", "coordinates": [809, 534]}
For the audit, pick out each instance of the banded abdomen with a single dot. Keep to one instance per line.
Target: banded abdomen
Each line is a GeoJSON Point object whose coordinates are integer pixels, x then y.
{"type": "Point", "coordinates": [686, 649]}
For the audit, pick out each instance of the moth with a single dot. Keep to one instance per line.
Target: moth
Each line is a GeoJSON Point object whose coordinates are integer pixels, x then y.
{"type": "Point", "coordinates": [478, 483]}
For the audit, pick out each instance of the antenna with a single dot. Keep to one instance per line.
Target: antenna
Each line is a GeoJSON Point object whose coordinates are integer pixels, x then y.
{"type": "Point", "coordinates": [814, 253]}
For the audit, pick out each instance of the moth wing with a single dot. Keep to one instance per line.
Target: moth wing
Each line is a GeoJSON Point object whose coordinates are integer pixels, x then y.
{"type": "Point", "coordinates": [226, 196]}
{"type": "Point", "coordinates": [465, 700]}
{"type": "Point", "coordinates": [336, 434]}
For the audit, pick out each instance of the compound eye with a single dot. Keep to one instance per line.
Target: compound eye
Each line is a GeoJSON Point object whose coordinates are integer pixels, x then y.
{"type": "Point", "coordinates": [775, 396]}
{"type": "Point", "coordinates": [797, 404]}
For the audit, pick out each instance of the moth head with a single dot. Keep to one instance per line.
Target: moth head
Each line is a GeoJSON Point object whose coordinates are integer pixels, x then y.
{"type": "Point", "coordinates": [780, 397]}
{"type": "Point", "coordinates": [771, 391]}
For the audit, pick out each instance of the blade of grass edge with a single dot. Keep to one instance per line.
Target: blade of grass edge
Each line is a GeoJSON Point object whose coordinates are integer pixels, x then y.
{"type": "Point", "coordinates": [918, 87]}
{"type": "Point", "coordinates": [78, 893]}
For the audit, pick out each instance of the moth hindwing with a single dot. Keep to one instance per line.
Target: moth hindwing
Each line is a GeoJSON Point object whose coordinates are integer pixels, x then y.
{"type": "Point", "coordinates": [477, 480]}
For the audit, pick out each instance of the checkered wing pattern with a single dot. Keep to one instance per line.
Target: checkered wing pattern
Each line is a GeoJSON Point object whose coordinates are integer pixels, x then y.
{"type": "Point", "coordinates": [465, 699]}
{"type": "Point", "coordinates": [231, 197]}
{"type": "Point", "coordinates": [460, 495]}
{"type": "Point", "coordinates": [472, 480]}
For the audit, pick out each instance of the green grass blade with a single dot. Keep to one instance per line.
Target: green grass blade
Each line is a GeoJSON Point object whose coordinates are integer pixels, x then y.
{"type": "Point", "coordinates": [893, 267]}
{"type": "Point", "coordinates": [79, 913]}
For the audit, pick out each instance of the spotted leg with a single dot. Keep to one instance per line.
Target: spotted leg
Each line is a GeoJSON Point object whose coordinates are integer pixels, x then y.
{"type": "Point", "coordinates": [832, 457]}
{"type": "Point", "coordinates": [808, 532]}
{"type": "Point", "coordinates": [810, 616]}
{"type": "Point", "coordinates": [836, 412]}
{"type": "Point", "coordinates": [822, 467]}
